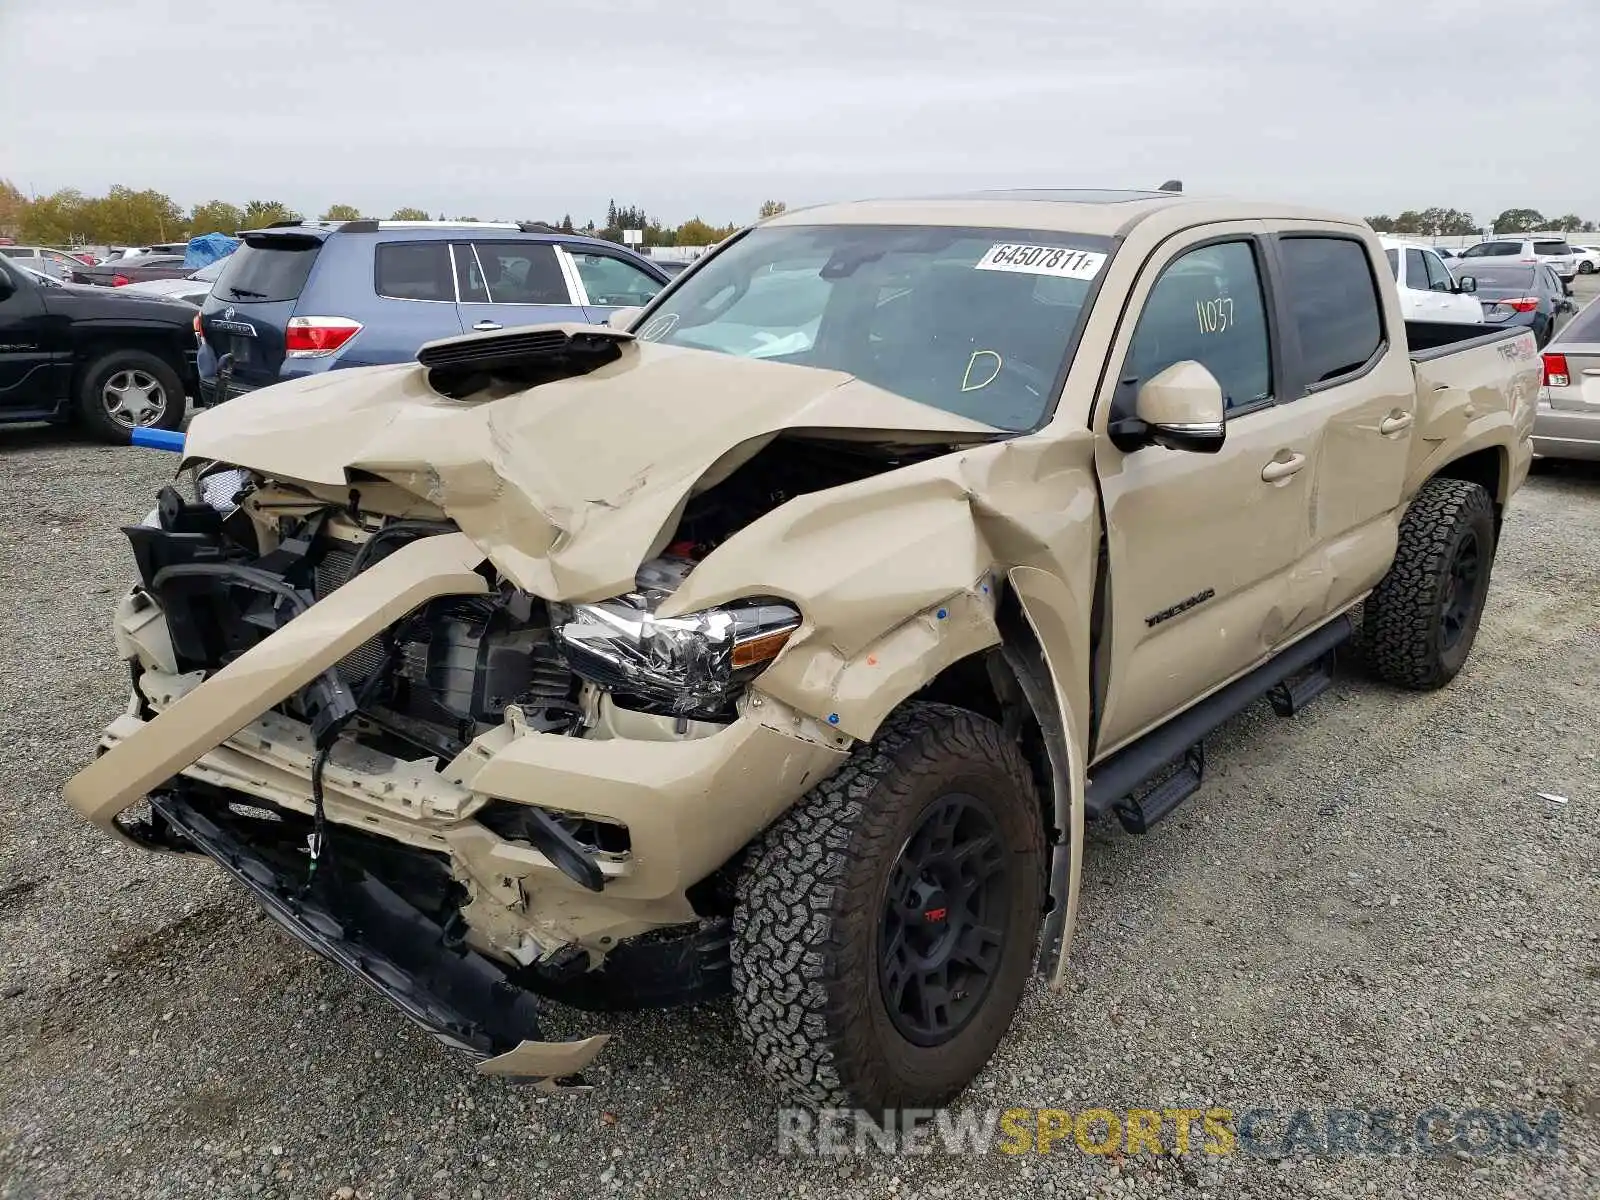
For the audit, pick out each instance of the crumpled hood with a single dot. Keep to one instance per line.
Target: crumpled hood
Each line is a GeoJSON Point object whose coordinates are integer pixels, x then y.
{"type": "Point", "coordinates": [570, 485]}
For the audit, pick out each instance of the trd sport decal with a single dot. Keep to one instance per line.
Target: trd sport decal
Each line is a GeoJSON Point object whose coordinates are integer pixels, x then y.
{"type": "Point", "coordinates": [1166, 614]}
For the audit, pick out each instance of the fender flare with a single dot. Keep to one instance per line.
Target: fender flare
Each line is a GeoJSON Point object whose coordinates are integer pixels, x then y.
{"type": "Point", "coordinates": [1052, 672]}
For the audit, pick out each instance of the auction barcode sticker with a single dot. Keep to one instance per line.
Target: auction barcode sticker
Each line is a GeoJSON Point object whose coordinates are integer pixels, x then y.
{"type": "Point", "coordinates": [1060, 261]}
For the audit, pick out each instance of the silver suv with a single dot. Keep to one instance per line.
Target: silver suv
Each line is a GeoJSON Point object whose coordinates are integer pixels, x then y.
{"type": "Point", "coordinates": [1534, 248]}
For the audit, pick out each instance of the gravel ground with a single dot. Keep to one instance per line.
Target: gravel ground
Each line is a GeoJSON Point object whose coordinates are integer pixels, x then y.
{"type": "Point", "coordinates": [1367, 906]}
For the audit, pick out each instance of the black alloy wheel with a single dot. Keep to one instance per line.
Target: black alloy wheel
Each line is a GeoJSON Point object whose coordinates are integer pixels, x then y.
{"type": "Point", "coordinates": [944, 927]}
{"type": "Point", "coordinates": [1460, 602]}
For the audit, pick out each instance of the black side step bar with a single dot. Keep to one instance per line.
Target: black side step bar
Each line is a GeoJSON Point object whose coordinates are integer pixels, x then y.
{"type": "Point", "coordinates": [1289, 696]}
{"type": "Point", "coordinates": [1138, 815]}
{"type": "Point", "coordinates": [1118, 777]}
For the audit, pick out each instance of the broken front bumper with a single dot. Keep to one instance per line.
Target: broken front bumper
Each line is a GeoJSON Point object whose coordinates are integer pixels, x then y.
{"type": "Point", "coordinates": [355, 919]}
{"type": "Point", "coordinates": [687, 804]}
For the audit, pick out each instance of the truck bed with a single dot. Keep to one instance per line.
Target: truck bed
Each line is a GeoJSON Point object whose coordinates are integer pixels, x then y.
{"type": "Point", "coordinates": [1430, 339]}
{"type": "Point", "coordinates": [1476, 388]}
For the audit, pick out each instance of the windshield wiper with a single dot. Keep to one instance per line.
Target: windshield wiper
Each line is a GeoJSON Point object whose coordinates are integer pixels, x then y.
{"type": "Point", "coordinates": [239, 291]}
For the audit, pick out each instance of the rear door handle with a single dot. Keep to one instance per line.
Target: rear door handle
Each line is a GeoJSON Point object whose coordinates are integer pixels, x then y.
{"type": "Point", "coordinates": [1395, 423]}
{"type": "Point", "coordinates": [1282, 468]}
{"type": "Point", "coordinates": [486, 326]}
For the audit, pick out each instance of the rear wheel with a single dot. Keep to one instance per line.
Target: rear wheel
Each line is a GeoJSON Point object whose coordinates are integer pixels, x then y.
{"type": "Point", "coordinates": [1421, 620]}
{"type": "Point", "coordinates": [1586, 267]}
{"type": "Point", "coordinates": [886, 924]}
{"type": "Point", "coordinates": [125, 390]}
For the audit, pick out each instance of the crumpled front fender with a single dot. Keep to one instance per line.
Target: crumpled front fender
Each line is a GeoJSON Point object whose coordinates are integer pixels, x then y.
{"type": "Point", "coordinates": [901, 575]}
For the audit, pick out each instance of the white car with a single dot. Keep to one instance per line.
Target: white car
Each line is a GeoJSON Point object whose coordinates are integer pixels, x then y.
{"type": "Point", "coordinates": [1551, 249]}
{"type": "Point", "coordinates": [1588, 259]}
{"type": "Point", "coordinates": [1428, 292]}
{"type": "Point", "coordinates": [192, 289]}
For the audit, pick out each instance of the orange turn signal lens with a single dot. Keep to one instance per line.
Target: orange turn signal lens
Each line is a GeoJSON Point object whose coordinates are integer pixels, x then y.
{"type": "Point", "coordinates": [762, 648]}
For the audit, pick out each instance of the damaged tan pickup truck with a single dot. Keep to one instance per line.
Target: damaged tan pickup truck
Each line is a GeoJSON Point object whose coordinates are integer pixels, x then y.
{"type": "Point", "coordinates": [781, 638]}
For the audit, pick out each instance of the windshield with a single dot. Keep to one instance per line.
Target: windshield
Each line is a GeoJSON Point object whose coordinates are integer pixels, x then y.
{"type": "Point", "coordinates": [973, 321]}
{"type": "Point", "coordinates": [209, 274]}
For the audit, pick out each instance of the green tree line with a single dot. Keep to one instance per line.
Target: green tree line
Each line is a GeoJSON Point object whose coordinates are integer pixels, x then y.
{"type": "Point", "coordinates": [125, 217]}
{"type": "Point", "coordinates": [1451, 222]}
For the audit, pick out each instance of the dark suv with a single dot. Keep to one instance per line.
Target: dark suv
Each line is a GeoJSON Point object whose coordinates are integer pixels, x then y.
{"type": "Point", "coordinates": [304, 297]}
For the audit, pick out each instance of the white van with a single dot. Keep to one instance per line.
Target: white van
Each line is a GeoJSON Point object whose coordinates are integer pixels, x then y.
{"type": "Point", "coordinates": [1428, 292]}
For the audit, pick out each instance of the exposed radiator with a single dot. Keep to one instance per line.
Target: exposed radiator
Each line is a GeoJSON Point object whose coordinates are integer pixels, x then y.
{"type": "Point", "coordinates": [333, 569]}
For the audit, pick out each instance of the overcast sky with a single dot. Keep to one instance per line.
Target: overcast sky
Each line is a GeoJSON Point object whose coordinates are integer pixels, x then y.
{"type": "Point", "coordinates": [533, 109]}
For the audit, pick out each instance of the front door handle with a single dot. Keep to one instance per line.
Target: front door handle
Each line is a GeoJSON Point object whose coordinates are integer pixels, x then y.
{"type": "Point", "coordinates": [1395, 422]}
{"type": "Point", "coordinates": [1282, 468]}
{"type": "Point", "coordinates": [486, 326]}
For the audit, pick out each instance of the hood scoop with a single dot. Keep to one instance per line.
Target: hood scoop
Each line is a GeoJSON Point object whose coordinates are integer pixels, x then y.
{"type": "Point", "coordinates": [523, 357]}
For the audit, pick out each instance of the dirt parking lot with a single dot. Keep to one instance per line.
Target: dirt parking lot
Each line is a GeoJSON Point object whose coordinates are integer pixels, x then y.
{"type": "Point", "coordinates": [1368, 906]}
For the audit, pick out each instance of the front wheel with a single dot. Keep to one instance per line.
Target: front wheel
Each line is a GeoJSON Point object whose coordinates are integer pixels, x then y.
{"type": "Point", "coordinates": [886, 924]}
{"type": "Point", "coordinates": [1422, 618]}
{"type": "Point", "coordinates": [125, 390]}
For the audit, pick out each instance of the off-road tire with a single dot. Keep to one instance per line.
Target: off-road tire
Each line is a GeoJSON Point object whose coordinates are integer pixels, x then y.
{"type": "Point", "coordinates": [91, 414]}
{"type": "Point", "coordinates": [1403, 627]}
{"type": "Point", "coordinates": [808, 921]}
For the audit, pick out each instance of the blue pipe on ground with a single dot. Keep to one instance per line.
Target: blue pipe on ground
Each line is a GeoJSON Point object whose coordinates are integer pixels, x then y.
{"type": "Point", "coordinates": [158, 439]}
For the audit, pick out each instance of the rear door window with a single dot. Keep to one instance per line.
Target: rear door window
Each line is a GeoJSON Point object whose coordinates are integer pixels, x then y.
{"type": "Point", "coordinates": [268, 269]}
{"type": "Point", "coordinates": [1493, 250]}
{"type": "Point", "coordinates": [521, 273]}
{"type": "Point", "coordinates": [1332, 300]}
{"type": "Point", "coordinates": [414, 271]}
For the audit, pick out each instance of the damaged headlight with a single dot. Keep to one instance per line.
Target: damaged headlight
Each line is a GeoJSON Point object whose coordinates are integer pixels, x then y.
{"type": "Point", "coordinates": [688, 664]}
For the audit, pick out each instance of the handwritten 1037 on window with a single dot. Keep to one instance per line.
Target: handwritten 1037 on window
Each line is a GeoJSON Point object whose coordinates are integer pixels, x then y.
{"type": "Point", "coordinates": [1215, 316]}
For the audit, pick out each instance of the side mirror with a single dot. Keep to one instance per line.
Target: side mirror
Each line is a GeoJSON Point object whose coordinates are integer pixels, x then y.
{"type": "Point", "coordinates": [1467, 285]}
{"type": "Point", "coordinates": [6, 286]}
{"type": "Point", "coordinates": [623, 317]}
{"type": "Point", "coordinates": [1180, 408]}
